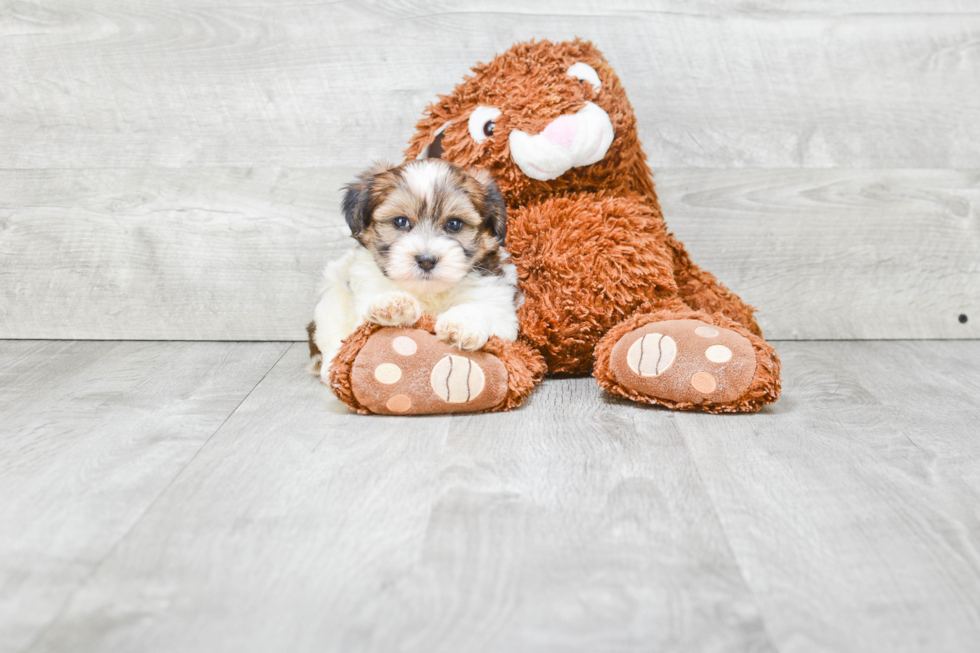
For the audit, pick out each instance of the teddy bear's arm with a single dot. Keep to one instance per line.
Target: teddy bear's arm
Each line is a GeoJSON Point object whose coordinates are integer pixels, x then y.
{"type": "Point", "coordinates": [586, 262]}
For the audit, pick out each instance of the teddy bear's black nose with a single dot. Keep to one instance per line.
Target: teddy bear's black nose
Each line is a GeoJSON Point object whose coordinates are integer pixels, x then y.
{"type": "Point", "coordinates": [426, 261]}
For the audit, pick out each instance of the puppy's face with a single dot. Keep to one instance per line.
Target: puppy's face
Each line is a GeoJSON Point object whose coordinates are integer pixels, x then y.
{"type": "Point", "coordinates": [428, 223]}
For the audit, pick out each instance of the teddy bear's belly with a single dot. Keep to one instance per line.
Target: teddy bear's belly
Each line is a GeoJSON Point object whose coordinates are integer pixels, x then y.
{"type": "Point", "coordinates": [585, 264]}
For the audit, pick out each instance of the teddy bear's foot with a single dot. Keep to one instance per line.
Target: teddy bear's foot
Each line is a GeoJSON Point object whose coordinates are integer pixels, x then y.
{"type": "Point", "coordinates": [707, 364]}
{"type": "Point", "coordinates": [398, 371]}
{"type": "Point", "coordinates": [411, 372]}
{"type": "Point", "coordinates": [684, 361]}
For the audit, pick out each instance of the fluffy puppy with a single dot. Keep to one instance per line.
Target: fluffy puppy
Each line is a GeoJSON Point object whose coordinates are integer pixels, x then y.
{"type": "Point", "coordinates": [430, 241]}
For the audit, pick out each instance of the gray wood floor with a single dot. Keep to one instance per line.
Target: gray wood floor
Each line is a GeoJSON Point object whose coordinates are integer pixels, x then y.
{"type": "Point", "coordinates": [212, 497]}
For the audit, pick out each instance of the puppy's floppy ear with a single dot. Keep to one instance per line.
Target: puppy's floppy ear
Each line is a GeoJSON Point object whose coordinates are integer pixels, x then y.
{"type": "Point", "coordinates": [491, 205]}
{"type": "Point", "coordinates": [359, 200]}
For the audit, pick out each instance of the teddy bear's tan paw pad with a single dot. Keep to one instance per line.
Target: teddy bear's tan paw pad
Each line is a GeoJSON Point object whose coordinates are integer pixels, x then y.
{"type": "Point", "coordinates": [412, 372]}
{"type": "Point", "coordinates": [684, 361]}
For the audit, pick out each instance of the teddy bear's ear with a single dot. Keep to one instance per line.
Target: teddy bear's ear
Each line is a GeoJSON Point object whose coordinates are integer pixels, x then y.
{"type": "Point", "coordinates": [433, 148]}
{"type": "Point", "coordinates": [491, 204]}
{"type": "Point", "coordinates": [359, 198]}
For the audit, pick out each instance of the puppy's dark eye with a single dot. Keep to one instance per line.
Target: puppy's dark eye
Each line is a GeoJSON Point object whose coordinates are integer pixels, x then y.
{"type": "Point", "coordinates": [402, 223]}
{"type": "Point", "coordinates": [488, 127]}
{"type": "Point", "coordinates": [454, 225]}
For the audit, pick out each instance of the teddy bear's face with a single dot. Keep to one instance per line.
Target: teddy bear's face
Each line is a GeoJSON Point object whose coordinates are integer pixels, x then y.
{"type": "Point", "coordinates": [543, 117]}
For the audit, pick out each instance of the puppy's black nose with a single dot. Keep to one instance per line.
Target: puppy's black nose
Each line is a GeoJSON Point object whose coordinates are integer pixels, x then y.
{"type": "Point", "coordinates": [426, 261]}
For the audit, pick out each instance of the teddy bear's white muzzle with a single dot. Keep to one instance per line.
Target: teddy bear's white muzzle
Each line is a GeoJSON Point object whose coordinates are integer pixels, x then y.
{"type": "Point", "coordinates": [570, 141]}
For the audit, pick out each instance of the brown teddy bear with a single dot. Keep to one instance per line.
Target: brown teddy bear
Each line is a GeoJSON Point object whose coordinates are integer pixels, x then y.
{"type": "Point", "coordinates": [607, 289]}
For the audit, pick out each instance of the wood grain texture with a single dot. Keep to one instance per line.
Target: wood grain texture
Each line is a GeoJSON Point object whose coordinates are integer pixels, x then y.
{"type": "Point", "coordinates": [236, 254]}
{"type": "Point", "coordinates": [91, 435]}
{"type": "Point", "coordinates": [842, 518]}
{"type": "Point", "coordinates": [851, 504]}
{"type": "Point", "coordinates": [844, 254]}
{"type": "Point", "coordinates": [302, 527]}
{"type": "Point", "coordinates": [172, 170]}
{"type": "Point", "coordinates": [743, 84]}
{"type": "Point", "coordinates": [165, 254]}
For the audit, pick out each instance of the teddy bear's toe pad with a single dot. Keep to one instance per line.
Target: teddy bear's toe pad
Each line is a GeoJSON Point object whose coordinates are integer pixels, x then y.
{"type": "Point", "coordinates": [684, 361]}
{"type": "Point", "coordinates": [411, 372]}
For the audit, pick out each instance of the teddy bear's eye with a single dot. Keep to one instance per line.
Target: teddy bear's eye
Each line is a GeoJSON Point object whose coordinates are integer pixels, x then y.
{"type": "Point", "coordinates": [483, 123]}
{"type": "Point", "coordinates": [585, 73]}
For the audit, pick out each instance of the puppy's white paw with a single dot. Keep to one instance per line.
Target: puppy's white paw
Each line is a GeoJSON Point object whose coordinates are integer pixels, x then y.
{"type": "Point", "coordinates": [394, 309]}
{"type": "Point", "coordinates": [460, 334]}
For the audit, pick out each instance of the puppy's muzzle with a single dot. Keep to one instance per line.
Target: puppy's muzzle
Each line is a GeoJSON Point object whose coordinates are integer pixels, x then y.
{"type": "Point", "coordinates": [426, 261]}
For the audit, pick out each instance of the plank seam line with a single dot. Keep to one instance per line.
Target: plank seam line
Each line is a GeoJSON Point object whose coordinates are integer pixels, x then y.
{"type": "Point", "coordinates": [728, 544]}
{"type": "Point", "coordinates": [112, 550]}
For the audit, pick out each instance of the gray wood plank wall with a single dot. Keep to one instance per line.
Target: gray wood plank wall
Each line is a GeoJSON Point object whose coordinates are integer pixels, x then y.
{"type": "Point", "coordinates": [172, 170]}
